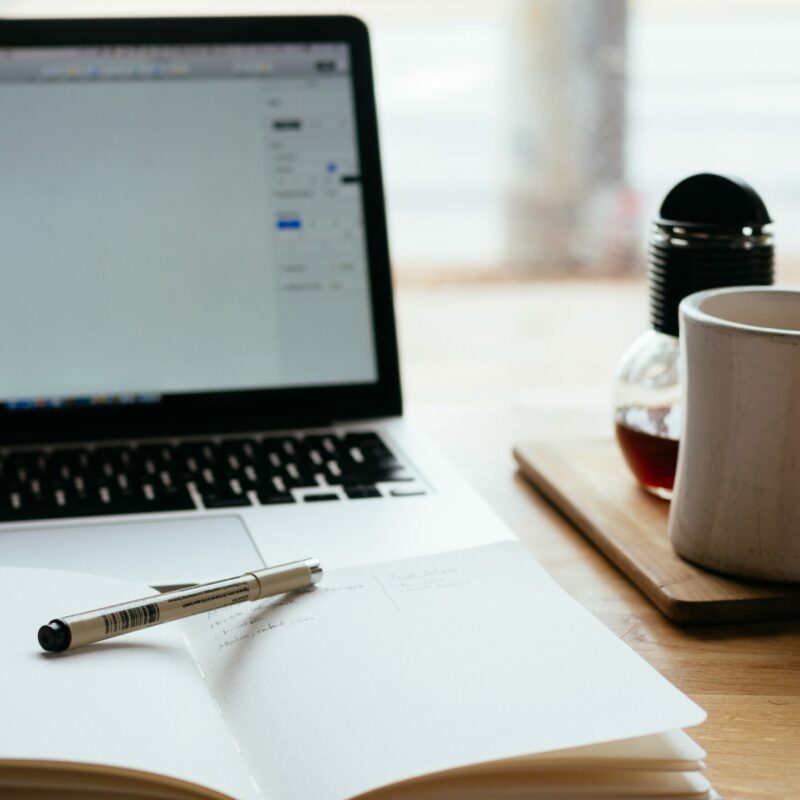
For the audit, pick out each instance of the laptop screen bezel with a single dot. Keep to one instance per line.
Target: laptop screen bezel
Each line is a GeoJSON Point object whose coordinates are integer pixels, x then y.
{"type": "Point", "coordinates": [257, 409]}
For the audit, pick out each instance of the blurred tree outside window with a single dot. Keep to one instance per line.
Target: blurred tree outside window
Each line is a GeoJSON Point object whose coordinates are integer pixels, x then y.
{"type": "Point", "coordinates": [537, 137]}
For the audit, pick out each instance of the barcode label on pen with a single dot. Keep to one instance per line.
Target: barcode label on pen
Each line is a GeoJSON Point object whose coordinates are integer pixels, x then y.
{"type": "Point", "coordinates": [131, 618]}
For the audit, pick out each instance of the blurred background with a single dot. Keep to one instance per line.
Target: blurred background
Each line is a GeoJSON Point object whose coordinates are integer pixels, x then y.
{"type": "Point", "coordinates": [531, 138]}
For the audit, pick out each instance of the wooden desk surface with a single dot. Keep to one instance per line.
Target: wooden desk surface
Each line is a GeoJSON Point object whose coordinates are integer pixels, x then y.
{"type": "Point", "coordinates": [487, 365]}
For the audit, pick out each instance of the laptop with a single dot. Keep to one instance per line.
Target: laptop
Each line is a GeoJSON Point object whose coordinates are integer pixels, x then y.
{"type": "Point", "coordinates": [198, 360]}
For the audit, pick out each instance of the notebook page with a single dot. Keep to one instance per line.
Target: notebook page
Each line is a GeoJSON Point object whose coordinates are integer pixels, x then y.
{"type": "Point", "coordinates": [137, 701]}
{"type": "Point", "coordinates": [389, 671]}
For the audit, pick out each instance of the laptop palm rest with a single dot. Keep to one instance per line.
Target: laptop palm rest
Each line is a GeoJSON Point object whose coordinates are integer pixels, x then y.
{"type": "Point", "coordinates": [159, 553]}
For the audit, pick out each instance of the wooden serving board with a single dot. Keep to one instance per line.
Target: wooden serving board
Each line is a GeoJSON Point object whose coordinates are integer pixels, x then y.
{"type": "Point", "coordinates": [588, 481]}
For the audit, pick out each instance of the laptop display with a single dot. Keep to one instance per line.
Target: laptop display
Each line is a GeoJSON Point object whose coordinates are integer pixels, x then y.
{"type": "Point", "coordinates": [182, 221]}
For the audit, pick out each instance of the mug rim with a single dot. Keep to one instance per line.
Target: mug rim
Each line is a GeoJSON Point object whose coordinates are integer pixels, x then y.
{"type": "Point", "coordinates": [690, 309]}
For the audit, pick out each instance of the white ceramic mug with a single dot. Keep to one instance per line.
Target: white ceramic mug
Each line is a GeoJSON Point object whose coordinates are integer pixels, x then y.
{"type": "Point", "coordinates": [736, 504]}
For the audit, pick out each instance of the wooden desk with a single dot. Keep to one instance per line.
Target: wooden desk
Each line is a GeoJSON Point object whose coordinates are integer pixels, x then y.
{"type": "Point", "coordinates": [487, 365]}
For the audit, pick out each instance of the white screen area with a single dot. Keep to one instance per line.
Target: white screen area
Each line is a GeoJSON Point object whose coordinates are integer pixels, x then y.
{"type": "Point", "coordinates": [201, 231]}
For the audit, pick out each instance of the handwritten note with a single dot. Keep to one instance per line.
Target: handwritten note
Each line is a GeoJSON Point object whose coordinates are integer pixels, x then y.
{"type": "Point", "coordinates": [231, 625]}
{"type": "Point", "coordinates": [427, 579]}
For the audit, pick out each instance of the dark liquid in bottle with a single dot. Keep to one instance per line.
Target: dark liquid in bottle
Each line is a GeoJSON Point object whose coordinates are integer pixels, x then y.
{"type": "Point", "coordinates": [648, 438]}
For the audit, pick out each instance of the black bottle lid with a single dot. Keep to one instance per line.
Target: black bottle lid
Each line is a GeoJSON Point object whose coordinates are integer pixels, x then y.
{"type": "Point", "coordinates": [712, 231]}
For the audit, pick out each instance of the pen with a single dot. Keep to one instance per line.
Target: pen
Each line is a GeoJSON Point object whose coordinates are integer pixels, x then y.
{"type": "Point", "coordinates": [77, 630]}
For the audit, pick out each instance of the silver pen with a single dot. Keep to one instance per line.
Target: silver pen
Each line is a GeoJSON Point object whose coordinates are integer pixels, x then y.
{"type": "Point", "coordinates": [77, 630]}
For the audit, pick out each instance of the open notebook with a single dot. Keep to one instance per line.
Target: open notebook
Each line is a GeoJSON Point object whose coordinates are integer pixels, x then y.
{"type": "Point", "coordinates": [464, 674]}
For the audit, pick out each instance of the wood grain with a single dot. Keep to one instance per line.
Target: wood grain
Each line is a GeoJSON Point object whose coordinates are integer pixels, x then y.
{"type": "Point", "coordinates": [589, 483]}
{"type": "Point", "coordinates": [485, 367]}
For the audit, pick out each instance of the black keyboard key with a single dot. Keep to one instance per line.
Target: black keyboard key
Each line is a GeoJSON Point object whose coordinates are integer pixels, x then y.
{"type": "Point", "coordinates": [296, 478]}
{"type": "Point", "coordinates": [332, 471]}
{"type": "Point", "coordinates": [205, 477]}
{"type": "Point", "coordinates": [211, 453]}
{"type": "Point", "coordinates": [177, 499]}
{"type": "Point", "coordinates": [271, 459]}
{"type": "Point", "coordinates": [275, 484]}
{"type": "Point", "coordinates": [368, 476]}
{"type": "Point", "coordinates": [76, 484]}
{"type": "Point", "coordinates": [361, 492]}
{"type": "Point", "coordinates": [318, 498]}
{"type": "Point", "coordinates": [221, 493]}
{"type": "Point", "coordinates": [370, 445]}
{"type": "Point", "coordinates": [148, 468]}
{"type": "Point", "coordinates": [226, 501]}
{"type": "Point", "coordinates": [268, 495]}
{"type": "Point", "coordinates": [188, 468]}
{"type": "Point", "coordinates": [59, 470]}
{"type": "Point", "coordinates": [367, 458]}
{"type": "Point", "coordinates": [249, 477]}
{"type": "Point", "coordinates": [103, 469]}
{"type": "Point", "coordinates": [315, 459]}
{"type": "Point", "coordinates": [232, 463]}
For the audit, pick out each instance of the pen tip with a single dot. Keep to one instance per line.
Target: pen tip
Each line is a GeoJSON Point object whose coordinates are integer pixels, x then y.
{"type": "Point", "coordinates": [316, 569]}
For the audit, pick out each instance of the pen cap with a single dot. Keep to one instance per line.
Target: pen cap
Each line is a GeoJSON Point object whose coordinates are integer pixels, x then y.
{"type": "Point", "coordinates": [55, 637]}
{"type": "Point", "coordinates": [287, 577]}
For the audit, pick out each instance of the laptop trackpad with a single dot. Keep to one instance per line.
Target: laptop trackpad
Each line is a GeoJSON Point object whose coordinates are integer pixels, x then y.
{"type": "Point", "coordinates": [158, 553]}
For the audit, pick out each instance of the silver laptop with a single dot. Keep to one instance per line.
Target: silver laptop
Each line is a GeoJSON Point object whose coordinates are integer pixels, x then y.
{"type": "Point", "coordinates": [198, 363]}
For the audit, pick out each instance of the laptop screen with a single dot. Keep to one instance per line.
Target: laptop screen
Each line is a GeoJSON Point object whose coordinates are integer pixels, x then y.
{"type": "Point", "coordinates": [178, 219]}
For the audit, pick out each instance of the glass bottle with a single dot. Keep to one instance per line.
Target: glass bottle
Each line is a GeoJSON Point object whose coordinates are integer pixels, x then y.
{"type": "Point", "coordinates": [647, 410]}
{"type": "Point", "coordinates": [712, 231]}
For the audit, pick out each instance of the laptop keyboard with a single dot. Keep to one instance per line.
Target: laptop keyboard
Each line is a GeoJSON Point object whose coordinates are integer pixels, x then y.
{"type": "Point", "coordinates": [189, 475]}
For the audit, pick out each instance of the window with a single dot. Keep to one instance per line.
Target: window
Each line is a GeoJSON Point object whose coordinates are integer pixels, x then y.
{"type": "Point", "coordinates": [539, 136]}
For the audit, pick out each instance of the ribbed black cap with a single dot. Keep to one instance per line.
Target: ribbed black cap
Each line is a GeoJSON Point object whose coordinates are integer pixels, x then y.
{"type": "Point", "coordinates": [712, 231]}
